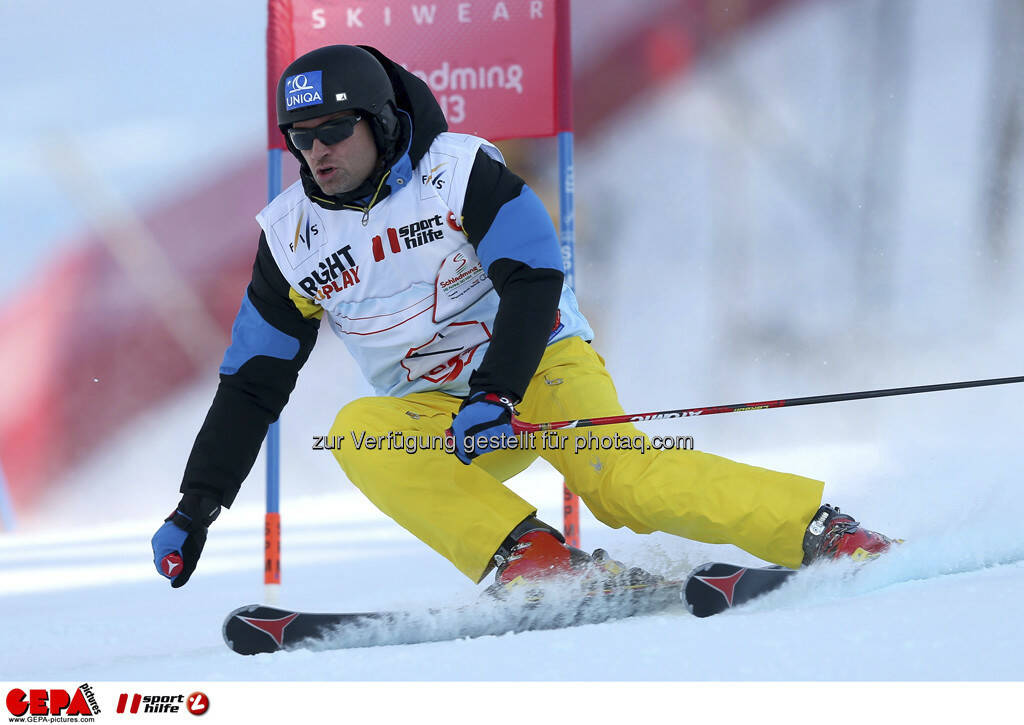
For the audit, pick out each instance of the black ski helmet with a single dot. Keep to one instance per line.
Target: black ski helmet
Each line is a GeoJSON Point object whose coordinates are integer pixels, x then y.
{"type": "Point", "coordinates": [338, 78]}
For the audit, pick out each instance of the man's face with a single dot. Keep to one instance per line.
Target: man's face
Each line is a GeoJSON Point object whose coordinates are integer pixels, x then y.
{"type": "Point", "coordinates": [343, 166]}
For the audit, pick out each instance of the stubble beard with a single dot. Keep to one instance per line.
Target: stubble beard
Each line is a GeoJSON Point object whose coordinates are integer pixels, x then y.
{"type": "Point", "coordinates": [340, 184]}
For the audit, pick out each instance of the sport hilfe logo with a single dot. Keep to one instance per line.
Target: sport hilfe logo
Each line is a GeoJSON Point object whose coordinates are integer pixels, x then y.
{"type": "Point", "coordinates": [303, 89]}
{"type": "Point", "coordinates": [53, 701]}
{"type": "Point", "coordinates": [412, 235]}
{"type": "Point", "coordinates": [149, 703]}
{"type": "Point", "coordinates": [196, 703]}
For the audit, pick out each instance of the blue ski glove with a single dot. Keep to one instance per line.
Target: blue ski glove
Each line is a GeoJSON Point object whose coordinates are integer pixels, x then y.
{"type": "Point", "coordinates": [485, 419]}
{"type": "Point", "coordinates": [179, 542]}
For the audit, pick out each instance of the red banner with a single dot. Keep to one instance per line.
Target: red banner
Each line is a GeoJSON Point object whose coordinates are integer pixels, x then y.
{"type": "Point", "coordinates": [495, 67]}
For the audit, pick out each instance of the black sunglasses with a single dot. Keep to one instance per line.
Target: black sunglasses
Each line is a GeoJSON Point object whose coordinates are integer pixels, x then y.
{"type": "Point", "coordinates": [329, 133]}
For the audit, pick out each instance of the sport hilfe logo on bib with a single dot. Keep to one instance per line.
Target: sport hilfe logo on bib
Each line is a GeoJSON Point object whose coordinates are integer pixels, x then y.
{"type": "Point", "coordinates": [304, 89]}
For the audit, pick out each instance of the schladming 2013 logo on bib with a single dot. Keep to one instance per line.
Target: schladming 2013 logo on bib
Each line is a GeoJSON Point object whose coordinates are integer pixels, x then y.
{"type": "Point", "coordinates": [303, 89]}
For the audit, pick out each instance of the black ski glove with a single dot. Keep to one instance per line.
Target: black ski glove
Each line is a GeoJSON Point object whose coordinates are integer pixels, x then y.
{"type": "Point", "coordinates": [179, 542]}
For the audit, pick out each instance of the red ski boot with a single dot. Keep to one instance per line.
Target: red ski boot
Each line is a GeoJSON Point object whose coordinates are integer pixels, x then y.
{"type": "Point", "coordinates": [535, 556]}
{"type": "Point", "coordinates": [831, 535]}
{"type": "Point", "coordinates": [535, 553]}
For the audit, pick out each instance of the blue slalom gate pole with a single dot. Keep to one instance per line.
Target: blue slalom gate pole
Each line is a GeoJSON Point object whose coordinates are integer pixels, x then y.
{"type": "Point", "coordinates": [272, 521]}
{"type": "Point", "coordinates": [567, 207]}
{"type": "Point", "coordinates": [6, 505]}
{"type": "Point", "coordinates": [567, 242]}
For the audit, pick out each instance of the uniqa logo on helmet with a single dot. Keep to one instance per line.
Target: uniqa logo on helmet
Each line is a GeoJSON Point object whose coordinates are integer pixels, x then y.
{"type": "Point", "coordinates": [303, 89]}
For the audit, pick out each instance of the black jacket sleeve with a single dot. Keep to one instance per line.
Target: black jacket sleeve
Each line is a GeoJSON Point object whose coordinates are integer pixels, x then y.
{"type": "Point", "coordinates": [528, 291]}
{"type": "Point", "coordinates": [250, 398]}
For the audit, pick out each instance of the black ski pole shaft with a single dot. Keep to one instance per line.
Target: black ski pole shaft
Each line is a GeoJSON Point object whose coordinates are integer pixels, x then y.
{"type": "Point", "coordinates": [523, 427]}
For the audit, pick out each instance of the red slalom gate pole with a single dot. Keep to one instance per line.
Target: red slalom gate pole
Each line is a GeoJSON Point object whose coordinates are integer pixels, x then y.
{"type": "Point", "coordinates": [520, 426]}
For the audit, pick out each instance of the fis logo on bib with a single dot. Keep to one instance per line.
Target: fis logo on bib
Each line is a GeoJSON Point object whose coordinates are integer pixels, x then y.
{"type": "Point", "coordinates": [311, 231]}
{"type": "Point", "coordinates": [304, 89]}
{"type": "Point", "coordinates": [435, 177]}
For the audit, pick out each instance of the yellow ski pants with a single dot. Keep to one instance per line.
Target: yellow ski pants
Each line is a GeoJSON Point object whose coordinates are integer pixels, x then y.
{"type": "Point", "coordinates": [465, 512]}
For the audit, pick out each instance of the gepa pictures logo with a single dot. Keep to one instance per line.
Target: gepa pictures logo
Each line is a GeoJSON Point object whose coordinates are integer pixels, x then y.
{"type": "Point", "coordinates": [303, 89]}
{"type": "Point", "coordinates": [34, 704]}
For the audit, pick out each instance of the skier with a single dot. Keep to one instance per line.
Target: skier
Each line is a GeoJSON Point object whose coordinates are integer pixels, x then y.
{"type": "Point", "coordinates": [441, 271]}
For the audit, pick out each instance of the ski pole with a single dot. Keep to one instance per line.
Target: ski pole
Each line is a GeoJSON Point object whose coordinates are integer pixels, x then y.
{"type": "Point", "coordinates": [520, 426]}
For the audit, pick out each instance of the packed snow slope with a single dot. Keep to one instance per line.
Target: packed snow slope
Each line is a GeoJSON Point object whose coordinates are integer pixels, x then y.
{"type": "Point", "coordinates": [685, 315]}
{"type": "Point", "coordinates": [89, 605]}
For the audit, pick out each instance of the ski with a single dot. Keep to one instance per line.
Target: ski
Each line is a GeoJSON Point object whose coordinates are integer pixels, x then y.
{"type": "Point", "coordinates": [714, 587]}
{"type": "Point", "coordinates": [709, 589]}
{"type": "Point", "coordinates": [257, 629]}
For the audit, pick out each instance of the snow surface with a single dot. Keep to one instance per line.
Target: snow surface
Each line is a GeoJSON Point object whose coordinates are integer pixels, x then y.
{"type": "Point", "coordinates": [942, 470]}
{"type": "Point", "coordinates": [940, 607]}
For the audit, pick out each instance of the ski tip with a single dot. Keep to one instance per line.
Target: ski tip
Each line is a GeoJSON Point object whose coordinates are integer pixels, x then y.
{"type": "Point", "coordinates": [685, 592]}
{"type": "Point", "coordinates": [228, 640]}
{"type": "Point", "coordinates": [235, 625]}
{"type": "Point", "coordinates": [714, 587]}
